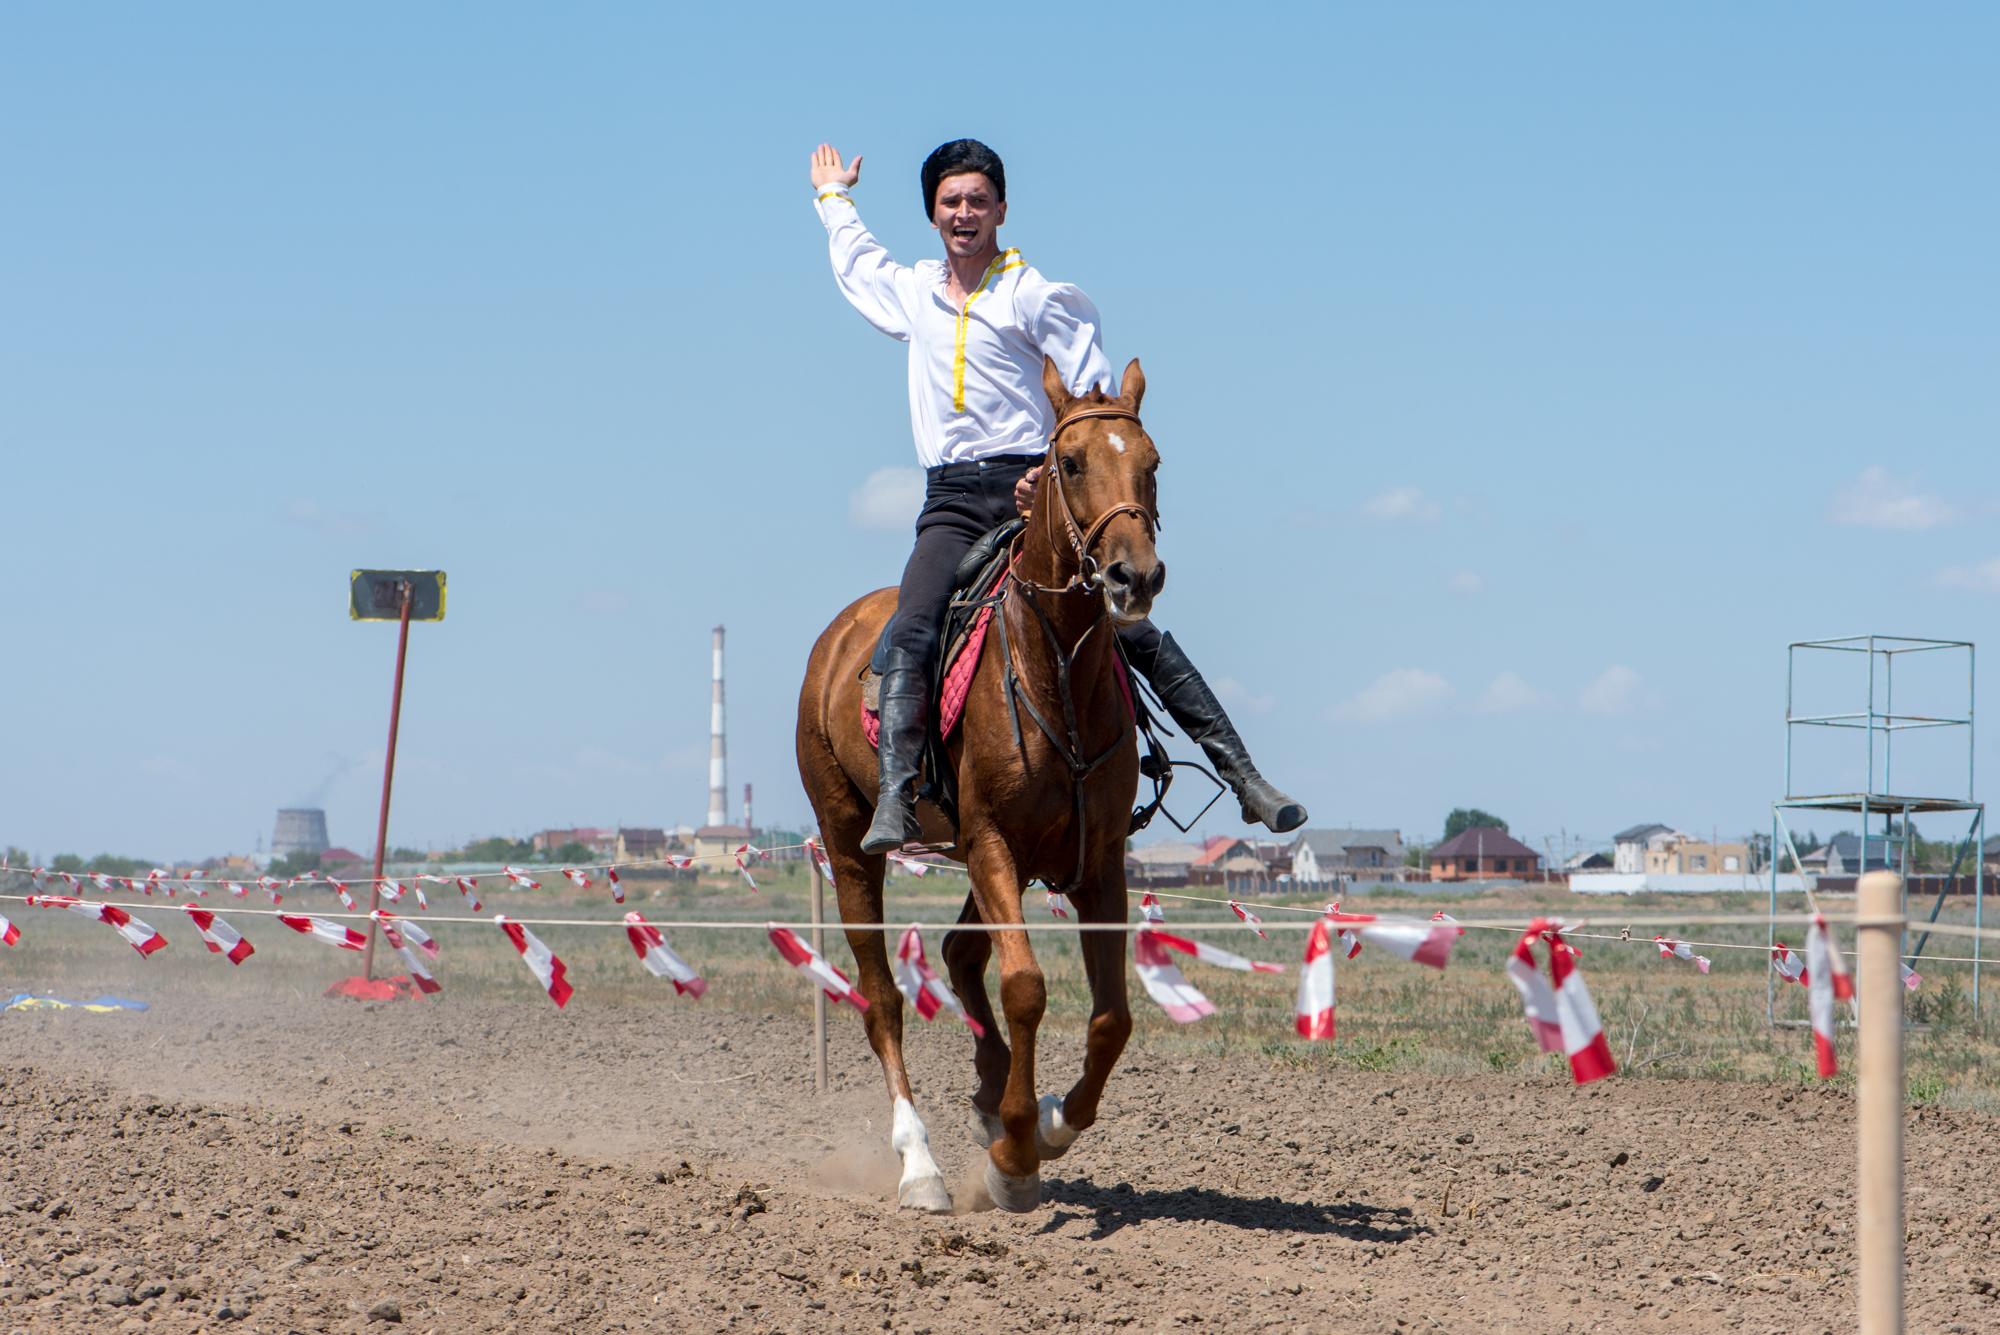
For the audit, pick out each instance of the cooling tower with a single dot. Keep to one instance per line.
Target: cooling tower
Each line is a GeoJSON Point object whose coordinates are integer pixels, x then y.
{"type": "Point", "coordinates": [300, 830]}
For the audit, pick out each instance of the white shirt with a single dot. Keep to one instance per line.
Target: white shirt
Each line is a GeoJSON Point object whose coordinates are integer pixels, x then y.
{"type": "Point", "coordinates": [976, 369]}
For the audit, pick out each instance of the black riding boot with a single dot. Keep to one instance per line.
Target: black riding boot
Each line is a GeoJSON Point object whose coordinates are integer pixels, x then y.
{"type": "Point", "coordinates": [1203, 719]}
{"type": "Point", "coordinates": [903, 699]}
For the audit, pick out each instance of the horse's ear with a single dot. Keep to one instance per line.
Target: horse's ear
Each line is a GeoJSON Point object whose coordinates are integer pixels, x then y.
{"type": "Point", "coordinates": [1134, 387]}
{"type": "Point", "coordinates": [1060, 398]}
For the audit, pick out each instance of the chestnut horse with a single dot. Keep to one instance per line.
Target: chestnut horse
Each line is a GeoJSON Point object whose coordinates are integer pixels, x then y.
{"type": "Point", "coordinates": [1046, 781]}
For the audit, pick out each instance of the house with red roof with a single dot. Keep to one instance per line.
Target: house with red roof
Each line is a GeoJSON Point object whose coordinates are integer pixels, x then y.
{"type": "Point", "coordinates": [1484, 853]}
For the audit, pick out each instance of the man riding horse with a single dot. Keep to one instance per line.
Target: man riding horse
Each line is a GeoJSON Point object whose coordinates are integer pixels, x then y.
{"type": "Point", "coordinates": [979, 326]}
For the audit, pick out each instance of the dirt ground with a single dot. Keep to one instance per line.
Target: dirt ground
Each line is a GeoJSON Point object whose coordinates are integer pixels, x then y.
{"type": "Point", "coordinates": [488, 1165]}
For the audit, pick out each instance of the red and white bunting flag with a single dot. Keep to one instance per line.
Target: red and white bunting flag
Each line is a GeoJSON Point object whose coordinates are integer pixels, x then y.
{"type": "Point", "coordinates": [270, 885]}
{"type": "Point", "coordinates": [1216, 955]}
{"type": "Point", "coordinates": [676, 860]}
{"type": "Point", "coordinates": [909, 864]}
{"type": "Point", "coordinates": [468, 886]}
{"type": "Point", "coordinates": [1563, 1018]}
{"type": "Point", "coordinates": [1247, 916]}
{"type": "Point", "coordinates": [222, 939]}
{"type": "Point", "coordinates": [1350, 941]}
{"type": "Point", "coordinates": [418, 973]}
{"type": "Point", "coordinates": [319, 929]}
{"type": "Point", "coordinates": [1163, 982]}
{"type": "Point", "coordinates": [1672, 949]}
{"type": "Point", "coordinates": [1315, 1005]}
{"type": "Point", "coordinates": [752, 850]}
{"type": "Point", "coordinates": [39, 876]}
{"type": "Point", "coordinates": [158, 876]}
{"type": "Point", "coordinates": [391, 891]}
{"type": "Point", "coordinates": [520, 878]}
{"type": "Point", "coordinates": [1911, 978]}
{"type": "Point", "coordinates": [417, 935]}
{"type": "Point", "coordinates": [617, 886]}
{"type": "Point", "coordinates": [340, 888]}
{"type": "Point", "coordinates": [1419, 942]}
{"type": "Point", "coordinates": [814, 969]}
{"type": "Point", "coordinates": [1060, 906]}
{"type": "Point", "coordinates": [1789, 966]}
{"type": "Point", "coordinates": [423, 901]}
{"type": "Point", "coordinates": [1150, 910]}
{"type": "Point", "coordinates": [9, 932]}
{"type": "Point", "coordinates": [746, 871]}
{"type": "Point", "coordinates": [103, 882]}
{"type": "Point", "coordinates": [69, 878]}
{"type": "Point", "coordinates": [194, 885]}
{"type": "Point", "coordinates": [541, 961]}
{"type": "Point", "coordinates": [581, 880]}
{"type": "Point", "coordinates": [916, 980]}
{"type": "Point", "coordinates": [1442, 916]}
{"type": "Point", "coordinates": [659, 957]}
{"type": "Point", "coordinates": [1830, 983]}
{"type": "Point", "coordinates": [143, 938]}
{"type": "Point", "coordinates": [819, 856]}
{"type": "Point", "coordinates": [137, 887]}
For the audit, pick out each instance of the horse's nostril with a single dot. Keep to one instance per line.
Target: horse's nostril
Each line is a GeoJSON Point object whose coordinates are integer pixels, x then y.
{"type": "Point", "coordinates": [1159, 579]}
{"type": "Point", "coordinates": [1118, 575]}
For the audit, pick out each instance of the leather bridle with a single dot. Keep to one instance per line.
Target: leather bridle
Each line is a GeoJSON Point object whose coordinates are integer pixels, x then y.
{"type": "Point", "coordinates": [1087, 577]}
{"type": "Point", "coordinates": [1068, 743]}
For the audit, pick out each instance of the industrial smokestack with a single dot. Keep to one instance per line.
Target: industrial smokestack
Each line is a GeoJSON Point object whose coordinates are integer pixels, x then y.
{"type": "Point", "coordinates": [748, 822]}
{"type": "Point", "coordinates": [718, 747]}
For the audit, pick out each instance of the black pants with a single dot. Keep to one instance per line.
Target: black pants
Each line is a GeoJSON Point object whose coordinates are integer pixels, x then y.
{"type": "Point", "coordinates": [962, 503]}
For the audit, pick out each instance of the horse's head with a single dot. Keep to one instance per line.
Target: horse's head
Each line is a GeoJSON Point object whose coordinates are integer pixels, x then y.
{"type": "Point", "coordinates": [1098, 492]}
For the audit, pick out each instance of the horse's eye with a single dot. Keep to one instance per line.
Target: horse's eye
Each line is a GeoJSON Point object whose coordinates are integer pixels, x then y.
{"type": "Point", "coordinates": [1069, 466]}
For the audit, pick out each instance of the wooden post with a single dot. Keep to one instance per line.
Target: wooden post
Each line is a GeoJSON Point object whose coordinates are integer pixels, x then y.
{"type": "Point", "coordinates": [1879, 1182]}
{"type": "Point", "coordinates": [819, 997]}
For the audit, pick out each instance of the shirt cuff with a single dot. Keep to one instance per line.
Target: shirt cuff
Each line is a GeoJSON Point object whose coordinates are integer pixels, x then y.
{"type": "Point", "coordinates": [832, 190]}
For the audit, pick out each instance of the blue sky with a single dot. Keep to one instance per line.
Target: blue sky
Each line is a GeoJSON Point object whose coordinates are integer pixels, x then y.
{"type": "Point", "coordinates": [1525, 379]}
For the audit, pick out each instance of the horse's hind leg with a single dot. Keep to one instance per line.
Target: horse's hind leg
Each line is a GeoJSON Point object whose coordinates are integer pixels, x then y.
{"type": "Point", "coordinates": [965, 957]}
{"type": "Point", "coordinates": [858, 886]}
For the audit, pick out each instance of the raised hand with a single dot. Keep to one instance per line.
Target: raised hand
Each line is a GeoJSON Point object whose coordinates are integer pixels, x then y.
{"type": "Point", "coordinates": [828, 169]}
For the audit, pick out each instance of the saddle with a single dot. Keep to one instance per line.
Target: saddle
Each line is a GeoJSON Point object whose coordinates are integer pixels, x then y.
{"type": "Point", "coordinates": [963, 634]}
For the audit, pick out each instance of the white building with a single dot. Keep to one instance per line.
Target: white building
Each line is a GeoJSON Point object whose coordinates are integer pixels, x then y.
{"type": "Point", "coordinates": [1345, 855]}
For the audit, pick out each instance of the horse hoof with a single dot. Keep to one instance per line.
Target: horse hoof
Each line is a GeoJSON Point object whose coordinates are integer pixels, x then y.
{"type": "Point", "coordinates": [1016, 1195]}
{"type": "Point", "coordinates": [986, 1128]}
{"type": "Point", "coordinates": [1053, 1136]}
{"type": "Point", "coordinates": [926, 1194]}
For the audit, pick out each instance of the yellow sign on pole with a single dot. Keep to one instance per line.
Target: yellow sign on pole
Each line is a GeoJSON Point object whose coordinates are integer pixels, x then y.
{"type": "Point", "coordinates": [377, 595]}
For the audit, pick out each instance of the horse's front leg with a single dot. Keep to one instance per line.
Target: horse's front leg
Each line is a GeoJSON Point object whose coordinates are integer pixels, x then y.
{"type": "Point", "coordinates": [1061, 1119]}
{"type": "Point", "coordinates": [922, 1186]}
{"type": "Point", "coordinates": [1013, 1176]}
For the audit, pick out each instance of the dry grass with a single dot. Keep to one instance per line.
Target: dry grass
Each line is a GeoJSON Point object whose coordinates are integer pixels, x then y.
{"type": "Point", "coordinates": [1664, 1019]}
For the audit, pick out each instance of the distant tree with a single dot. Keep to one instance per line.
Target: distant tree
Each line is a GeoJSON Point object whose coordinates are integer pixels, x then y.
{"type": "Point", "coordinates": [112, 865]}
{"type": "Point", "coordinates": [1462, 819]}
{"type": "Point", "coordinates": [294, 864]}
{"type": "Point", "coordinates": [572, 852]}
{"type": "Point", "coordinates": [1417, 853]}
{"type": "Point", "coordinates": [496, 849]}
{"type": "Point", "coordinates": [405, 855]}
{"type": "Point", "coordinates": [66, 862]}
{"type": "Point", "coordinates": [18, 857]}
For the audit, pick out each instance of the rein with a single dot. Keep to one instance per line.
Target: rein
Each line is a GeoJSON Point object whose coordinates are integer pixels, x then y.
{"type": "Point", "coordinates": [1069, 744]}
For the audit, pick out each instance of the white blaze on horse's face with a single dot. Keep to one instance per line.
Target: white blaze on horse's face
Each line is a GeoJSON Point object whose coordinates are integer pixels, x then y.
{"type": "Point", "coordinates": [1118, 442]}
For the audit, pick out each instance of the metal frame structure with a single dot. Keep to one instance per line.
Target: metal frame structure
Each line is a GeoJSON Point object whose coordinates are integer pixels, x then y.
{"type": "Point", "coordinates": [1882, 652]}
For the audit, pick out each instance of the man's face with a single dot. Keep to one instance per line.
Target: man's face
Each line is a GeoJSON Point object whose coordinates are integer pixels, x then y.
{"type": "Point", "coordinates": [969, 212]}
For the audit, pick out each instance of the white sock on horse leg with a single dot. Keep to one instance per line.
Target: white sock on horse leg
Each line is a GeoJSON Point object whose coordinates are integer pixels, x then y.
{"type": "Point", "coordinates": [922, 1187]}
{"type": "Point", "coordinates": [1052, 1134]}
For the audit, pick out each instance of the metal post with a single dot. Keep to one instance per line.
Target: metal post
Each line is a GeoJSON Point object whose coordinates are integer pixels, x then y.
{"type": "Point", "coordinates": [388, 778]}
{"type": "Point", "coordinates": [819, 997]}
{"type": "Point", "coordinates": [1879, 1181]}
